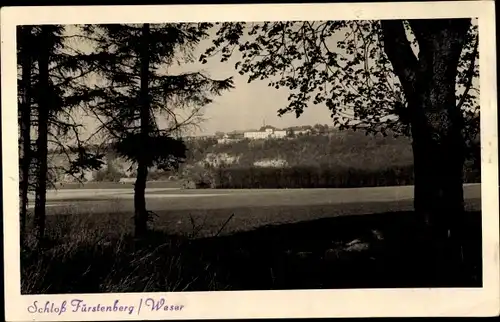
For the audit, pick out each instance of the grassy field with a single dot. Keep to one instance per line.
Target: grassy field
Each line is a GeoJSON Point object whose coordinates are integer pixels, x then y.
{"type": "Point", "coordinates": [228, 198]}
{"type": "Point", "coordinates": [286, 242]}
{"type": "Point", "coordinates": [251, 208]}
{"type": "Point", "coordinates": [207, 221]}
{"type": "Point", "coordinates": [116, 185]}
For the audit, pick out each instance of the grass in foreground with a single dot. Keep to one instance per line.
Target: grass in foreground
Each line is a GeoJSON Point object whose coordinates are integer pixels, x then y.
{"type": "Point", "coordinates": [97, 255]}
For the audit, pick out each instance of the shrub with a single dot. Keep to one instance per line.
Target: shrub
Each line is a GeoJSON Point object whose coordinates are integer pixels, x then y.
{"type": "Point", "coordinates": [154, 175]}
{"type": "Point", "coordinates": [200, 177]}
{"type": "Point", "coordinates": [323, 176]}
{"type": "Point", "coordinates": [108, 174]}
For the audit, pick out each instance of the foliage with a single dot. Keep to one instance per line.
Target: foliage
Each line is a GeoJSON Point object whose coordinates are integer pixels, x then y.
{"type": "Point", "coordinates": [108, 174]}
{"type": "Point", "coordinates": [68, 92]}
{"type": "Point", "coordinates": [339, 64]}
{"type": "Point", "coordinates": [201, 177]}
{"type": "Point", "coordinates": [69, 71]}
{"type": "Point", "coordinates": [160, 175]}
{"type": "Point", "coordinates": [174, 100]}
{"type": "Point", "coordinates": [85, 161]}
{"type": "Point", "coordinates": [339, 160]}
{"type": "Point", "coordinates": [322, 176]}
{"type": "Point", "coordinates": [145, 105]}
{"type": "Point", "coordinates": [341, 148]}
{"type": "Point", "coordinates": [164, 152]}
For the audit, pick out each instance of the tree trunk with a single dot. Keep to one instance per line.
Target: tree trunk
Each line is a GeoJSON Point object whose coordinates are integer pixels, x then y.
{"type": "Point", "coordinates": [436, 121]}
{"type": "Point", "coordinates": [437, 124]}
{"type": "Point", "coordinates": [25, 126]}
{"type": "Point", "coordinates": [141, 214]}
{"type": "Point", "coordinates": [44, 101]}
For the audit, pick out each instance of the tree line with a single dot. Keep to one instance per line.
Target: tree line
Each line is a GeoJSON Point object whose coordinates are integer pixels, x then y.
{"type": "Point", "coordinates": [120, 84]}
{"type": "Point", "coordinates": [317, 176]}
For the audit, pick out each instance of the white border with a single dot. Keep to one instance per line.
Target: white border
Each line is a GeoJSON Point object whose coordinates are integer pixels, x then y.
{"type": "Point", "coordinates": [260, 304]}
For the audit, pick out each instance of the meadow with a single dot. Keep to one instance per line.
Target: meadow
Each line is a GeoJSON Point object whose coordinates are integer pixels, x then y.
{"type": "Point", "coordinates": [244, 247]}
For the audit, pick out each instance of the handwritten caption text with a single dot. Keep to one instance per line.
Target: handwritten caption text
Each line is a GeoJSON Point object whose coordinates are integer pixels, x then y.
{"type": "Point", "coordinates": [80, 306]}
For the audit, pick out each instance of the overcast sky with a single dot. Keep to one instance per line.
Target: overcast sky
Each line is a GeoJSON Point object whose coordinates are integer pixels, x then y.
{"type": "Point", "coordinates": [246, 106]}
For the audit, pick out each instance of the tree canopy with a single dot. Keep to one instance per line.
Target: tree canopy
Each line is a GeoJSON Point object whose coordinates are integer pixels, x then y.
{"type": "Point", "coordinates": [340, 64]}
{"type": "Point", "coordinates": [176, 99]}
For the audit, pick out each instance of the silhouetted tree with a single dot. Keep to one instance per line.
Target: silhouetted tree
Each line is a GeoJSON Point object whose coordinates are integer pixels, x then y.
{"type": "Point", "coordinates": [45, 98]}
{"type": "Point", "coordinates": [48, 94]}
{"type": "Point", "coordinates": [25, 62]}
{"type": "Point", "coordinates": [378, 75]}
{"type": "Point", "coordinates": [140, 94]}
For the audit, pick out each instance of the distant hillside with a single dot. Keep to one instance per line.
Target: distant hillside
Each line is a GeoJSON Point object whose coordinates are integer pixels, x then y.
{"type": "Point", "coordinates": [335, 151]}
{"type": "Point", "coordinates": [343, 148]}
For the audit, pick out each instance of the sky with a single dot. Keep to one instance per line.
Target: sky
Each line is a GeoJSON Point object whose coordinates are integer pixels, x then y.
{"type": "Point", "coordinates": [246, 106]}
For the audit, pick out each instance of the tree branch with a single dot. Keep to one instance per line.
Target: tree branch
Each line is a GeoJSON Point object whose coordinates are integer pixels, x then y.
{"type": "Point", "coordinates": [398, 50]}
{"type": "Point", "coordinates": [470, 75]}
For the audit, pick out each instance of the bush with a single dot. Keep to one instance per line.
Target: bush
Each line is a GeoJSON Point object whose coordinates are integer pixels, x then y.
{"type": "Point", "coordinates": [203, 179]}
{"type": "Point", "coordinates": [322, 176]}
{"type": "Point", "coordinates": [108, 174]}
{"type": "Point", "coordinates": [155, 175]}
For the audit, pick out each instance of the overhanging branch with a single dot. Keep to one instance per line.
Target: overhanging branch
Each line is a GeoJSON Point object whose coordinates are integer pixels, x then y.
{"type": "Point", "coordinates": [470, 75]}
{"type": "Point", "coordinates": [398, 50]}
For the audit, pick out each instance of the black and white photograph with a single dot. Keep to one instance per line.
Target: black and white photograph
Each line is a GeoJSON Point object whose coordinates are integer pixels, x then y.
{"type": "Point", "coordinates": [258, 151]}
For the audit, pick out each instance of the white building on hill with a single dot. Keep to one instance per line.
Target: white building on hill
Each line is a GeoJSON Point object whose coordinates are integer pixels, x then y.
{"type": "Point", "coordinates": [268, 133]}
{"type": "Point", "coordinates": [302, 132]}
{"type": "Point", "coordinates": [230, 138]}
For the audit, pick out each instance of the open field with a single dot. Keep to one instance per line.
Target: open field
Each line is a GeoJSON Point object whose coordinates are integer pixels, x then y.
{"type": "Point", "coordinates": [174, 197]}
{"type": "Point", "coordinates": [208, 240]}
{"type": "Point", "coordinates": [117, 185]}
{"type": "Point", "coordinates": [248, 208]}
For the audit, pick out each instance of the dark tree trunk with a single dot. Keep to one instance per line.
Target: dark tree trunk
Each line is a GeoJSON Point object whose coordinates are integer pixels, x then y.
{"type": "Point", "coordinates": [141, 214]}
{"type": "Point", "coordinates": [437, 125]}
{"type": "Point", "coordinates": [25, 126]}
{"type": "Point", "coordinates": [436, 121]}
{"type": "Point", "coordinates": [44, 101]}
